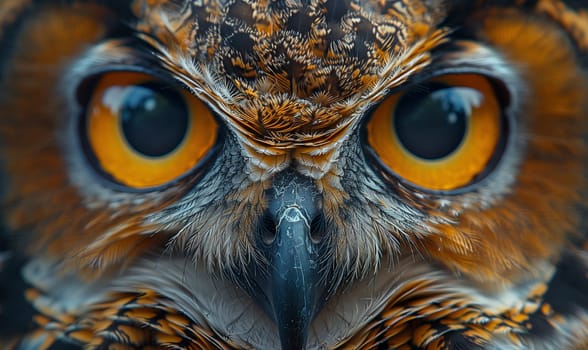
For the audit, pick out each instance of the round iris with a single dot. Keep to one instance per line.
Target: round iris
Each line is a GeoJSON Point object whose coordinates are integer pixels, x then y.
{"type": "Point", "coordinates": [154, 119]}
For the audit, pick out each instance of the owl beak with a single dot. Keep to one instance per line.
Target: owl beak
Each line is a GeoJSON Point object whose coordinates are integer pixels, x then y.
{"type": "Point", "coordinates": [291, 289]}
{"type": "Point", "coordinates": [294, 281]}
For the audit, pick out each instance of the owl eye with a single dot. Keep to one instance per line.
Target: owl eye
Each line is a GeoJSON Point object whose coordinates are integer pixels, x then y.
{"type": "Point", "coordinates": [441, 137]}
{"type": "Point", "coordinates": [145, 133]}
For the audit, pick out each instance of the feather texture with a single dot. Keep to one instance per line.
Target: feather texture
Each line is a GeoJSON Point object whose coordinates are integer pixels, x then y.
{"type": "Point", "coordinates": [498, 264]}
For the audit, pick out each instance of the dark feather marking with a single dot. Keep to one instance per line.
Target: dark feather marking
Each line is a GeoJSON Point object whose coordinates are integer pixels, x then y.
{"type": "Point", "coordinates": [64, 345]}
{"type": "Point", "coordinates": [16, 313]}
{"type": "Point", "coordinates": [568, 289]}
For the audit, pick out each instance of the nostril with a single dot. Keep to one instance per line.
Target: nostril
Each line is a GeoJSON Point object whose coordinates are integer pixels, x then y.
{"type": "Point", "coordinates": [268, 229]}
{"type": "Point", "coordinates": [318, 227]}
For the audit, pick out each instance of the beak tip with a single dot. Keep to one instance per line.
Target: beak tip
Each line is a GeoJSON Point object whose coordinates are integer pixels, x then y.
{"type": "Point", "coordinates": [293, 334]}
{"type": "Point", "coordinates": [294, 308]}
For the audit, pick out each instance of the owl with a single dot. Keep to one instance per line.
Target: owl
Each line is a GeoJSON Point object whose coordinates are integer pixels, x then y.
{"type": "Point", "coordinates": [294, 174]}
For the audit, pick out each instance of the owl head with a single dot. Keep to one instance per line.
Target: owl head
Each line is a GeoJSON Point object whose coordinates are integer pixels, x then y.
{"type": "Point", "coordinates": [296, 149]}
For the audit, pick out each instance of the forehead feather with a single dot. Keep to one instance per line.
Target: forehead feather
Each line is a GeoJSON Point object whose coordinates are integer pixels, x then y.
{"type": "Point", "coordinates": [302, 56]}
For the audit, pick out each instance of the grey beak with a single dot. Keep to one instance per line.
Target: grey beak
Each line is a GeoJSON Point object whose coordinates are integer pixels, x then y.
{"type": "Point", "coordinates": [290, 288]}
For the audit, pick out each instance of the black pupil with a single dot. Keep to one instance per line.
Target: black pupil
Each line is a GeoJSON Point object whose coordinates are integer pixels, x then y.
{"type": "Point", "coordinates": [154, 119]}
{"type": "Point", "coordinates": [432, 125]}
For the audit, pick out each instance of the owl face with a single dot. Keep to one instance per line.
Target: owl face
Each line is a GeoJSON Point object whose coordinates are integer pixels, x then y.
{"type": "Point", "coordinates": [315, 147]}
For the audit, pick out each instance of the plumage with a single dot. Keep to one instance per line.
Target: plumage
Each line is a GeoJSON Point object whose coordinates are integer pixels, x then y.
{"type": "Point", "coordinates": [270, 174]}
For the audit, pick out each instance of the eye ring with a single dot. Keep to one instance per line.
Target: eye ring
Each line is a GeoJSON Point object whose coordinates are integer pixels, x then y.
{"type": "Point", "coordinates": [141, 133]}
{"type": "Point", "coordinates": [455, 127]}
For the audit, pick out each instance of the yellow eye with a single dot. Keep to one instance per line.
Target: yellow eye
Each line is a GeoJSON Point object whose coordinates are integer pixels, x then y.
{"type": "Point", "coordinates": [442, 136]}
{"type": "Point", "coordinates": [145, 133]}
